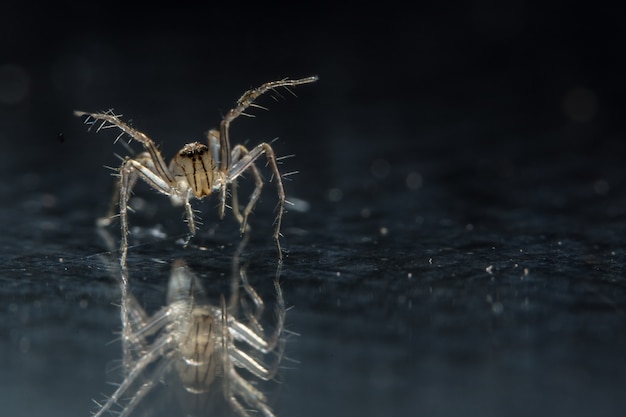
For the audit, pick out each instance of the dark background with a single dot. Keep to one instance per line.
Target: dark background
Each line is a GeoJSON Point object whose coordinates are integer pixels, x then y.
{"type": "Point", "coordinates": [457, 244]}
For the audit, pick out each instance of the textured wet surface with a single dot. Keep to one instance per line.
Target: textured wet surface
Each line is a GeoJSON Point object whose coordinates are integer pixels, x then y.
{"type": "Point", "coordinates": [455, 248]}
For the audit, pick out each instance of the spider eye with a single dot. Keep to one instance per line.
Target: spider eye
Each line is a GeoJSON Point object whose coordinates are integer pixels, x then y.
{"type": "Point", "coordinates": [192, 149]}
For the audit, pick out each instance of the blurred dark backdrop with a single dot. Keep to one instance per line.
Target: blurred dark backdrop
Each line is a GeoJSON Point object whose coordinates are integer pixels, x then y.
{"type": "Point", "coordinates": [457, 248]}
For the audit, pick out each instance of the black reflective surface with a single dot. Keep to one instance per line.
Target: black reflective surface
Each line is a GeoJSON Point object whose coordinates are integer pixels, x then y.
{"type": "Point", "coordinates": [457, 241]}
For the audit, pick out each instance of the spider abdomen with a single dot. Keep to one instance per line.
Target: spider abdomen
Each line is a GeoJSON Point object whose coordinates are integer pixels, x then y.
{"type": "Point", "coordinates": [197, 364]}
{"type": "Point", "coordinates": [194, 166]}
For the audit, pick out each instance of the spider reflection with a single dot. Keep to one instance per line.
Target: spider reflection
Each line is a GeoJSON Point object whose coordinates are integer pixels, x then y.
{"type": "Point", "coordinates": [209, 350]}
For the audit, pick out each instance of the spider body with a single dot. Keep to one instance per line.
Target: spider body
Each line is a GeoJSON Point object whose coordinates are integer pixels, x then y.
{"type": "Point", "coordinates": [198, 170]}
{"type": "Point", "coordinates": [196, 365]}
{"type": "Point", "coordinates": [194, 167]}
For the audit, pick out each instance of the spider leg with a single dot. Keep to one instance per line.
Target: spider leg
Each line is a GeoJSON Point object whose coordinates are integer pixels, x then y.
{"type": "Point", "coordinates": [160, 167]}
{"type": "Point", "coordinates": [135, 373]}
{"type": "Point", "coordinates": [147, 326]}
{"type": "Point", "coordinates": [245, 101]}
{"type": "Point", "coordinates": [253, 335]}
{"type": "Point", "coordinates": [256, 367]}
{"type": "Point", "coordinates": [222, 208]}
{"type": "Point", "coordinates": [189, 214]}
{"type": "Point", "coordinates": [131, 313]}
{"type": "Point", "coordinates": [235, 156]}
{"type": "Point", "coordinates": [129, 171]}
{"type": "Point", "coordinates": [253, 315]}
{"type": "Point", "coordinates": [247, 162]}
{"type": "Point", "coordinates": [213, 137]}
{"type": "Point", "coordinates": [228, 368]}
{"type": "Point", "coordinates": [232, 306]}
{"type": "Point", "coordinates": [111, 212]}
{"type": "Point", "coordinates": [145, 388]}
{"type": "Point", "coordinates": [234, 202]}
{"type": "Point", "coordinates": [137, 354]}
{"type": "Point", "coordinates": [144, 158]}
{"type": "Point", "coordinates": [137, 325]}
{"type": "Point", "coordinates": [256, 339]}
{"type": "Point", "coordinates": [234, 384]}
{"type": "Point", "coordinates": [251, 395]}
{"type": "Point", "coordinates": [240, 151]}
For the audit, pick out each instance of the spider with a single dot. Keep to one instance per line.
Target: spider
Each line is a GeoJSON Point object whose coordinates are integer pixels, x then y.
{"type": "Point", "coordinates": [198, 346]}
{"type": "Point", "coordinates": [198, 170]}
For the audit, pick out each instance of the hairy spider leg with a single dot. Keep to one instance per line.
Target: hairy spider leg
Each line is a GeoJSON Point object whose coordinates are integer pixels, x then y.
{"type": "Point", "coordinates": [153, 354]}
{"type": "Point", "coordinates": [245, 101]}
{"type": "Point", "coordinates": [233, 382]}
{"type": "Point", "coordinates": [160, 166]}
{"type": "Point", "coordinates": [237, 153]}
{"type": "Point", "coordinates": [246, 162]}
{"type": "Point", "coordinates": [144, 389]}
{"type": "Point", "coordinates": [250, 395]}
{"type": "Point", "coordinates": [215, 149]}
{"type": "Point", "coordinates": [252, 313]}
